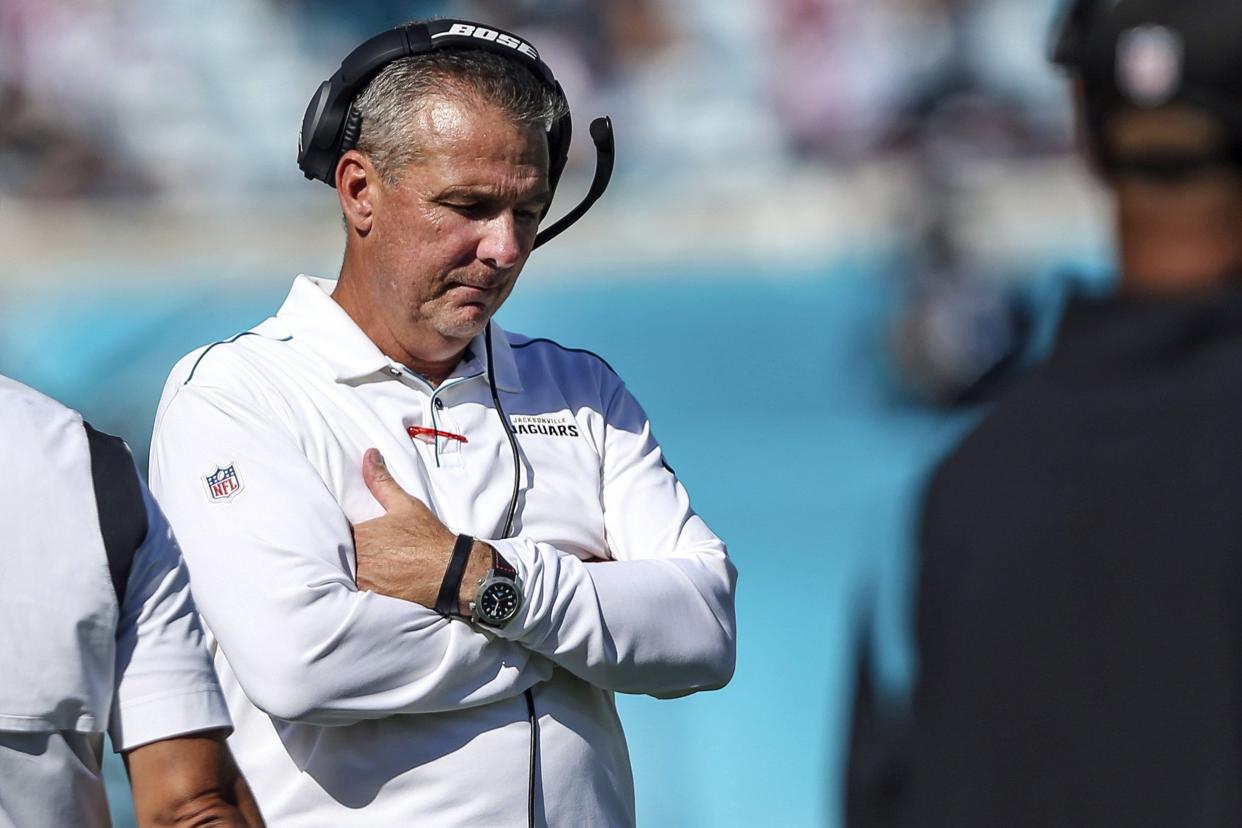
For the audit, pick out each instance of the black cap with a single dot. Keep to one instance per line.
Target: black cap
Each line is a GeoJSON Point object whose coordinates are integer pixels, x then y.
{"type": "Point", "coordinates": [1151, 54]}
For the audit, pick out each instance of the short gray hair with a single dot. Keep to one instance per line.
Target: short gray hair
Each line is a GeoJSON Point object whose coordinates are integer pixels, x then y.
{"type": "Point", "coordinates": [389, 102]}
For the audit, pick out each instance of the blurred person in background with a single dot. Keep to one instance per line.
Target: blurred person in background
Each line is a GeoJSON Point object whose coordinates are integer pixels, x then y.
{"type": "Point", "coordinates": [98, 632]}
{"type": "Point", "coordinates": [914, 92]}
{"type": "Point", "coordinates": [1079, 624]}
{"type": "Point", "coordinates": [966, 321]}
{"type": "Point", "coordinates": [964, 325]}
{"type": "Point", "coordinates": [59, 134]}
{"type": "Point", "coordinates": [381, 667]}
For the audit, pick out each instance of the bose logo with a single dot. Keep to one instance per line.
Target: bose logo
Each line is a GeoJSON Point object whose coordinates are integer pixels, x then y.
{"type": "Point", "coordinates": [466, 30]}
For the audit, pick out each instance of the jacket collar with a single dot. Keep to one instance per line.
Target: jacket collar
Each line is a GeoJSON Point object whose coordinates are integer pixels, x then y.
{"type": "Point", "coordinates": [324, 327]}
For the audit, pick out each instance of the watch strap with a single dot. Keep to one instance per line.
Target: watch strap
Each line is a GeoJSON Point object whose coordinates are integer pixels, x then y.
{"type": "Point", "coordinates": [502, 567]}
{"type": "Point", "coordinates": [450, 587]}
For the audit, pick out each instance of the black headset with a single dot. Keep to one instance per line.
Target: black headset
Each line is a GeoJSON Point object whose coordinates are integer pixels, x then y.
{"type": "Point", "coordinates": [331, 125]}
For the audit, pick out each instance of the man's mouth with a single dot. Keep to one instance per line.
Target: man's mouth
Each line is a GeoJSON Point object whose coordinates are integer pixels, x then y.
{"type": "Point", "coordinates": [472, 294]}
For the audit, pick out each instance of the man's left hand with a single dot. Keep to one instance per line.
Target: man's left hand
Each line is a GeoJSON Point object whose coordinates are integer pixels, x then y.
{"type": "Point", "coordinates": [404, 553]}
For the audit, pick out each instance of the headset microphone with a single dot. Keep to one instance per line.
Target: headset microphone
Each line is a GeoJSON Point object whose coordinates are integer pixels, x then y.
{"type": "Point", "coordinates": [605, 157]}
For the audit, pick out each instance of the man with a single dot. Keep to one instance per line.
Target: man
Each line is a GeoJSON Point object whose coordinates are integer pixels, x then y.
{"type": "Point", "coordinates": [98, 631]}
{"type": "Point", "coordinates": [333, 466]}
{"type": "Point", "coordinates": [1079, 623]}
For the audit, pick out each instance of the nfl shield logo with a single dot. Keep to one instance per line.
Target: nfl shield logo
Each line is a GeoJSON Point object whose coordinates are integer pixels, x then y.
{"type": "Point", "coordinates": [223, 483]}
{"type": "Point", "coordinates": [1149, 64]}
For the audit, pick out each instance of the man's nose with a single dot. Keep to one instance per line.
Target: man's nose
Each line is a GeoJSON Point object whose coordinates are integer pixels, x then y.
{"type": "Point", "coordinates": [502, 243]}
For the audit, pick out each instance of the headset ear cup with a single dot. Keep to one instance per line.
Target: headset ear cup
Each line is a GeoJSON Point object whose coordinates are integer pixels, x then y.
{"type": "Point", "coordinates": [353, 129]}
{"type": "Point", "coordinates": [559, 138]}
{"type": "Point", "coordinates": [310, 155]}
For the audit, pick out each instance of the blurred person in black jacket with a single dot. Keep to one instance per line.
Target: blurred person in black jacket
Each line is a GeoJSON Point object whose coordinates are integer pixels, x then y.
{"type": "Point", "coordinates": [1078, 644]}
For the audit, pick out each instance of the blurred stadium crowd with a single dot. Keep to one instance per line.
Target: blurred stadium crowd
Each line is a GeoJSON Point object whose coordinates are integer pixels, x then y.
{"type": "Point", "coordinates": [104, 89]}
{"type": "Point", "coordinates": [931, 131]}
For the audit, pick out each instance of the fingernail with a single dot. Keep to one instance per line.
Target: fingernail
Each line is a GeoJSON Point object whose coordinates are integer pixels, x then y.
{"type": "Point", "coordinates": [379, 459]}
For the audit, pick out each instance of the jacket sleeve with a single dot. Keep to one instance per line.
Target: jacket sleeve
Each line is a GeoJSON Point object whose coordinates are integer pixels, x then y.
{"type": "Point", "coordinates": [658, 616]}
{"type": "Point", "coordinates": [272, 568]}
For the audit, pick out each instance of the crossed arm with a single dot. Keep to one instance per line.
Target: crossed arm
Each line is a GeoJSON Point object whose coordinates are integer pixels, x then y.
{"type": "Point", "coordinates": [273, 575]}
{"type": "Point", "coordinates": [662, 626]}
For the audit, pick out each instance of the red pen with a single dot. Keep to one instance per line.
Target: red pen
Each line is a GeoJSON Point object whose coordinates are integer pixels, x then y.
{"type": "Point", "coordinates": [429, 435]}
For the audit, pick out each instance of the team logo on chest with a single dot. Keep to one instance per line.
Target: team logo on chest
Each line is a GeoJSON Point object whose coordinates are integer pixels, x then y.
{"type": "Point", "coordinates": [550, 425]}
{"type": "Point", "coordinates": [224, 483]}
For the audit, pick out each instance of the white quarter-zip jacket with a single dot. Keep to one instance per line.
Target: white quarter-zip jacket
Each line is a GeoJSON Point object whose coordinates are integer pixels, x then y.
{"type": "Point", "coordinates": [355, 709]}
{"type": "Point", "coordinates": [74, 660]}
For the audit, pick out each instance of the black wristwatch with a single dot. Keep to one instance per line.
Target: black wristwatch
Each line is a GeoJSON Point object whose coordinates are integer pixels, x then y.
{"type": "Point", "coordinates": [499, 596]}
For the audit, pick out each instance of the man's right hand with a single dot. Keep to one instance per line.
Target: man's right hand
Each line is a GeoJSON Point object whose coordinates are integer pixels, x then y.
{"type": "Point", "coordinates": [404, 553]}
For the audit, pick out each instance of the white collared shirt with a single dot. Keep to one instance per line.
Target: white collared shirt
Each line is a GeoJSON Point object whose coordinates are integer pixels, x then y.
{"type": "Point", "coordinates": [353, 708]}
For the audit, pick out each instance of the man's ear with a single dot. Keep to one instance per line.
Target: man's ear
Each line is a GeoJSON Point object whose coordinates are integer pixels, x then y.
{"type": "Point", "coordinates": [356, 186]}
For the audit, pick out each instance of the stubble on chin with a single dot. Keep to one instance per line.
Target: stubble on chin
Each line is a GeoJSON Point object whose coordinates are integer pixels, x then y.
{"type": "Point", "coordinates": [459, 323]}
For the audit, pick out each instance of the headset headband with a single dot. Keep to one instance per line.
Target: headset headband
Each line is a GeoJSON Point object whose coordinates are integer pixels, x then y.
{"type": "Point", "coordinates": [331, 125]}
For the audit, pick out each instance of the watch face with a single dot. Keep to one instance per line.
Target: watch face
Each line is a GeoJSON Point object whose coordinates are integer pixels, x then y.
{"type": "Point", "coordinates": [499, 602]}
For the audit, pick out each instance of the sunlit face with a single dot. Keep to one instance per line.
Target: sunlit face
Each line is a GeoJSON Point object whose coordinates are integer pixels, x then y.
{"type": "Point", "coordinates": [451, 235]}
